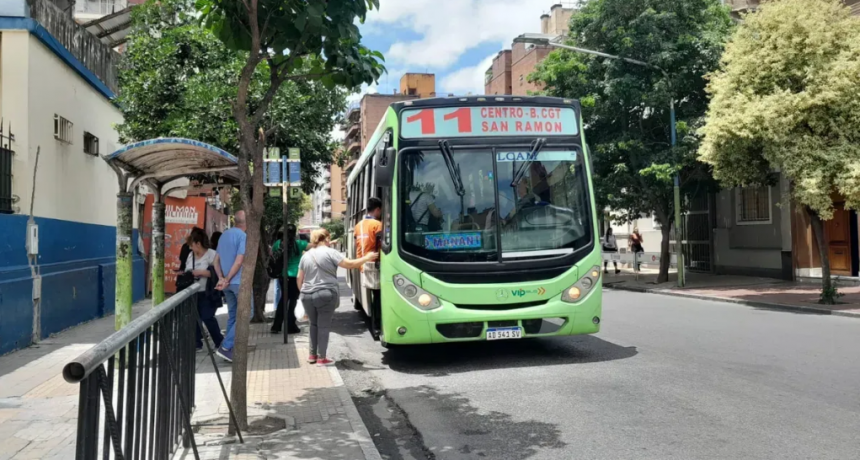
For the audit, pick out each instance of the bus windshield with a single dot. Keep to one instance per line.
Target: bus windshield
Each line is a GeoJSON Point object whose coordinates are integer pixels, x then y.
{"type": "Point", "coordinates": [545, 213]}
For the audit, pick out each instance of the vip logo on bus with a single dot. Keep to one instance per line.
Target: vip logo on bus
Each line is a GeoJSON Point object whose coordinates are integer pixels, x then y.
{"type": "Point", "coordinates": [524, 292]}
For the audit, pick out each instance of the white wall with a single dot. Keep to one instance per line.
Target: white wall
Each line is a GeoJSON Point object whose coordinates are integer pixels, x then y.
{"type": "Point", "coordinates": [648, 228]}
{"type": "Point", "coordinates": [70, 184]}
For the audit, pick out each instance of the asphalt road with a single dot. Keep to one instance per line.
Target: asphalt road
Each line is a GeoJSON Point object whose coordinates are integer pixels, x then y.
{"type": "Point", "coordinates": [665, 378]}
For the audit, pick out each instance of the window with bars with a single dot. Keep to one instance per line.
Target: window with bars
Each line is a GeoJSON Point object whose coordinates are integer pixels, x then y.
{"type": "Point", "coordinates": [753, 205]}
{"type": "Point", "coordinates": [91, 144]}
{"type": "Point", "coordinates": [62, 129]}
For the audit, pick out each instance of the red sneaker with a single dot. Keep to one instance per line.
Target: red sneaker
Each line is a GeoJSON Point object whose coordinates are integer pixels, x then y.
{"type": "Point", "coordinates": [312, 359]}
{"type": "Point", "coordinates": [325, 362]}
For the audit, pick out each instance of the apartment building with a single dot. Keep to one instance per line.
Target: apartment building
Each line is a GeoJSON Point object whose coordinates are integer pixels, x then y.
{"type": "Point", "coordinates": [510, 70]}
{"type": "Point", "coordinates": [362, 118]}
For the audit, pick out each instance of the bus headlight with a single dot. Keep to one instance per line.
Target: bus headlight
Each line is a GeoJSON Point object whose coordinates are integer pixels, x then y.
{"type": "Point", "coordinates": [582, 287]}
{"type": "Point", "coordinates": [419, 298]}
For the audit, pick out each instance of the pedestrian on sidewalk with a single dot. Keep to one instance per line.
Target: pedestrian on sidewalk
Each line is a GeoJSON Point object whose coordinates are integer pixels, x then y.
{"type": "Point", "coordinates": [636, 241]}
{"type": "Point", "coordinates": [199, 263]}
{"type": "Point", "coordinates": [317, 278]}
{"type": "Point", "coordinates": [610, 244]}
{"type": "Point", "coordinates": [295, 248]}
{"type": "Point", "coordinates": [228, 265]}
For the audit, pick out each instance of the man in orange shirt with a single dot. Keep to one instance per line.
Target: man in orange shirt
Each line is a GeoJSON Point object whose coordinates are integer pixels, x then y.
{"type": "Point", "coordinates": [366, 241]}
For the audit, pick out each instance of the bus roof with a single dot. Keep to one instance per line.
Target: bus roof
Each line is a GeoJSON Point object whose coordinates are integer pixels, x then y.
{"type": "Point", "coordinates": [483, 100]}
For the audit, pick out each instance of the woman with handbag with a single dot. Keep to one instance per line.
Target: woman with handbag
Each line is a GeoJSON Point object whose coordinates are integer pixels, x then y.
{"type": "Point", "coordinates": [198, 263]}
{"type": "Point", "coordinates": [317, 279]}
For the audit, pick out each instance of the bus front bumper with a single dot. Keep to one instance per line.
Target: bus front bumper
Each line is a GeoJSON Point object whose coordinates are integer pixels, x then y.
{"type": "Point", "coordinates": [404, 324]}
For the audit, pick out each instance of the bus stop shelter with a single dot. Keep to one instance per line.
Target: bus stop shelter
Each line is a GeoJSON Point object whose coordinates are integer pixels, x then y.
{"type": "Point", "coordinates": [156, 163]}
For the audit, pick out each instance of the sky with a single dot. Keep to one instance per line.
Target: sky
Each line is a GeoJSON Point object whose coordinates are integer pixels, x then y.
{"type": "Point", "coordinates": [454, 39]}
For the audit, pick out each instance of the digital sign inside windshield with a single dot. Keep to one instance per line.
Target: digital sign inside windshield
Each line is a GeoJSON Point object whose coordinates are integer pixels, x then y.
{"type": "Point", "coordinates": [488, 121]}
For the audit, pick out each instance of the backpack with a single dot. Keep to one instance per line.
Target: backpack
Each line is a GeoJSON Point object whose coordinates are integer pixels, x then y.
{"type": "Point", "coordinates": [185, 279]}
{"type": "Point", "coordinates": [275, 267]}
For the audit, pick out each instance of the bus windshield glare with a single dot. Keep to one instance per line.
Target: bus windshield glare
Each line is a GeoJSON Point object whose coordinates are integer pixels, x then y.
{"type": "Point", "coordinates": [545, 213]}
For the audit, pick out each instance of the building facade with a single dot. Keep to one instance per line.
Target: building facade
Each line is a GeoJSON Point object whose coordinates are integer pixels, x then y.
{"type": "Point", "coordinates": [362, 118]}
{"type": "Point", "coordinates": [59, 113]}
{"type": "Point", "coordinates": [510, 70]}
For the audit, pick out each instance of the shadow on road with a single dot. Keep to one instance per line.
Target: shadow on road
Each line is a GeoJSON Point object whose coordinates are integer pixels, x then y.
{"type": "Point", "coordinates": [439, 360]}
{"type": "Point", "coordinates": [479, 433]}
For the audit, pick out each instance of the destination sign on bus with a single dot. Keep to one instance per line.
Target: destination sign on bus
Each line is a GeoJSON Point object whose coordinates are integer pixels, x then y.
{"type": "Point", "coordinates": [488, 121]}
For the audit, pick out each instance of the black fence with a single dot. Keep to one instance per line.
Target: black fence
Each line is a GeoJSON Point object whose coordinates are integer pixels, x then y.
{"type": "Point", "coordinates": [137, 386]}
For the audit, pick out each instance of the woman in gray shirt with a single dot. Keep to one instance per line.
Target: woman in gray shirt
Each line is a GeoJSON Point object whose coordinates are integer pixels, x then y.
{"type": "Point", "coordinates": [317, 279]}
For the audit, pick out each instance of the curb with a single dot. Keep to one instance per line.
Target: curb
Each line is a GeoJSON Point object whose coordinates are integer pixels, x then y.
{"type": "Point", "coordinates": [749, 303]}
{"type": "Point", "coordinates": [358, 426]}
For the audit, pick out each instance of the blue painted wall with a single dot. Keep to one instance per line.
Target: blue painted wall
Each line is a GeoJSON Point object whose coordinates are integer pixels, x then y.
{"type": "Point", "coordinates": [16, 314]}
{"type": "Point", "coordinates": [77, 263]}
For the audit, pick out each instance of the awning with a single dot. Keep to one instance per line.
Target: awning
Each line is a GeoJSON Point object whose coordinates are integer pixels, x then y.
{"type": "Point", "coordinates": [112, 29]}
{"type": "Point", "coordinates": [164, 159]}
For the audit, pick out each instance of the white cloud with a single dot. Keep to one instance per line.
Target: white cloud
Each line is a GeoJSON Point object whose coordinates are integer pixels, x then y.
{"type": "Point", "coordinates": [365, 89]}
{"type": "Point", "coordinates": [467, 79]}
{"type": "Point", "coordinates": [449, 28]}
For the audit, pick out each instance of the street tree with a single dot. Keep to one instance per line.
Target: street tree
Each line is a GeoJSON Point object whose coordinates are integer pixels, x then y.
{"type": "Point", "coordinates": [785, 99]}
{"type": "Point", "coordinates": [626, 107]}
{"type": "Point", "coordinates": [289, 41]}
{"type": "Point", "coordinates": [178, 80]}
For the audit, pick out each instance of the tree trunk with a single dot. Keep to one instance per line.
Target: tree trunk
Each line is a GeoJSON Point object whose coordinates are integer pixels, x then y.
{"type": "Point", "coordinates": [823, 252]}
{"type": "Point", "coordinates": [665, 256]}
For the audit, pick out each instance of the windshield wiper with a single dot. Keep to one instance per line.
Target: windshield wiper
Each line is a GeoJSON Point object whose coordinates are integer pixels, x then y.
{"type": "Point", "coordinates": [536, 148]}
{"type": "Point", "coordinates": [448, 155]}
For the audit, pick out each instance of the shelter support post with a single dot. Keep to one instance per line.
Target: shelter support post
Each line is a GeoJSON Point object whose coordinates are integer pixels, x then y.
{"type": "Point", "coordinates": [157, 257]}
{"type": "Point", "coordinates": [125, 210]}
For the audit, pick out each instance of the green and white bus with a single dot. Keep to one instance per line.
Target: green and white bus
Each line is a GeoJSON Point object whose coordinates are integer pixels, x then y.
{"type": "Point", "coordinates": [489, 224]}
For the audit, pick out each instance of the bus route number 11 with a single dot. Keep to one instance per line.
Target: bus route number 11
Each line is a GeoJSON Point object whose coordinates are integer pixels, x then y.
{"type": "Point", "coordinates": [428, 121]}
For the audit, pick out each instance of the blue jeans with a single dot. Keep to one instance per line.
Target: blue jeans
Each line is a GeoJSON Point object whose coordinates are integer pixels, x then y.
{"type": "Point", "coordinates": [232, 295]}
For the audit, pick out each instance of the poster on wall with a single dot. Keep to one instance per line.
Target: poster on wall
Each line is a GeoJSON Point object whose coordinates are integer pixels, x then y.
{"type": "Point", "coordinates": [180, 216]}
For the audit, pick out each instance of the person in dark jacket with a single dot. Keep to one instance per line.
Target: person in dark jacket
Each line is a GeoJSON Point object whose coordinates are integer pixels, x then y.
{"type": "Point", "coordinates": [200, 264]}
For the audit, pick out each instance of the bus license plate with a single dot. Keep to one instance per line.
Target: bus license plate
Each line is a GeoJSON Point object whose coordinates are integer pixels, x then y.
{"type": "Point", "coordinates": [502, 333]}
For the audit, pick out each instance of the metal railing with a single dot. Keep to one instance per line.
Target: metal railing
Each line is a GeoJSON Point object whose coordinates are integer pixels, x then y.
{"type": "Point", "coordinates": [141, 380]}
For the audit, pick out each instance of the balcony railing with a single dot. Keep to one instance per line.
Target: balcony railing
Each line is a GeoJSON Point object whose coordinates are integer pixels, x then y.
{"type": "Point", "coordinates": [99, 58]}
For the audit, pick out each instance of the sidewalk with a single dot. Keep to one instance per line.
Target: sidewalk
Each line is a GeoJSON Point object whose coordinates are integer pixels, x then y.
{"type": "Point", "coordinates": [38, 409]}
{"type": "Point", "coordinates": [744, 290]}
{"type": "Point", "coordinates": [296, 410]}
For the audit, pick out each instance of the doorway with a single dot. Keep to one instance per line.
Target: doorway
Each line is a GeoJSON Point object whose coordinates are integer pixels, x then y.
{"type": "Point", "coordinates": [837, 233]}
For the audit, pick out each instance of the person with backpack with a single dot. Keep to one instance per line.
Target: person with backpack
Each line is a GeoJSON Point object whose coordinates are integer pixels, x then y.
{"type": "Point", "coordinates": [290, 290]}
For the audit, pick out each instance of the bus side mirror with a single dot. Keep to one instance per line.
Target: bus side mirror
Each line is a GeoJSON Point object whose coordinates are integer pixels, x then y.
{"type": "Point", "coordinates": [385, 168]}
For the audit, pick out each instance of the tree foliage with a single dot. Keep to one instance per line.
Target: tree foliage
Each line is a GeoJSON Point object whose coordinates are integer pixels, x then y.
{"type": "Point", "coordinates": [179, 80]}
{"type": "Point", "coordinates": [336, 228]}
{"type": "Point", "coordinates": [626, 106]}
{"type": "Point", "coordinates": [786, 97]}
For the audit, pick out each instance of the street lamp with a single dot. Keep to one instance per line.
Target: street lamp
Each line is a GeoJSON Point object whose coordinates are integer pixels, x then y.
{"type": "Point", "coordinates": [550, 40]}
